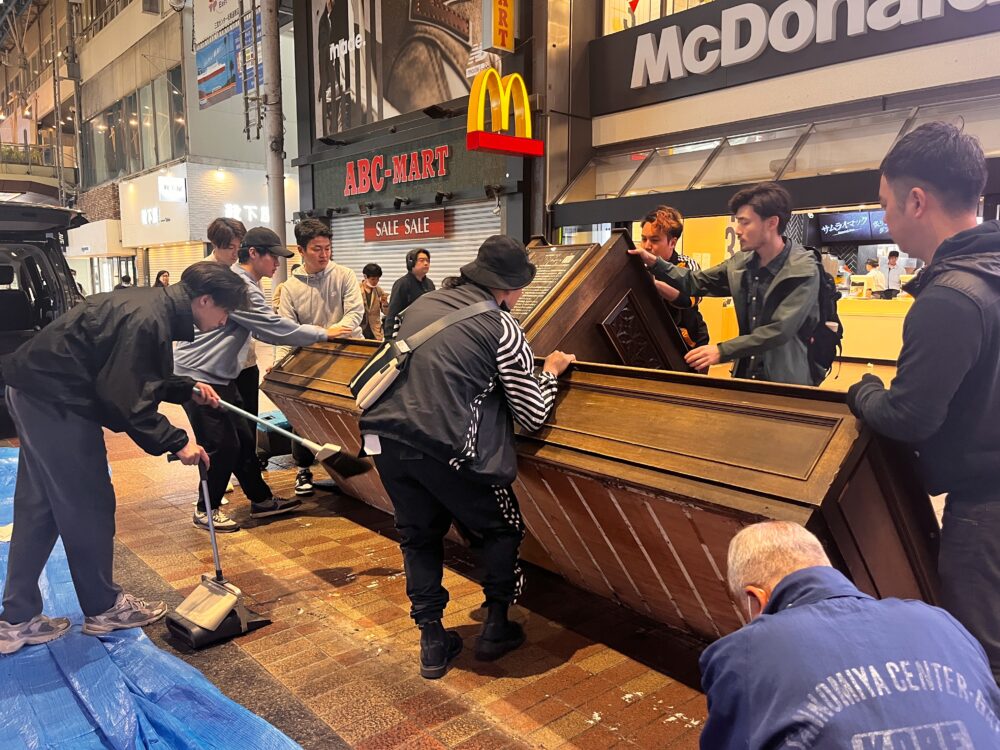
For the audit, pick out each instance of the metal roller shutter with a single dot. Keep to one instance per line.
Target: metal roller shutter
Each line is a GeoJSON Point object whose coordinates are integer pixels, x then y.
{"type": "Point", "coordinates": [172, 258]}
{"type": "Point", "coordinates": [466, 225]}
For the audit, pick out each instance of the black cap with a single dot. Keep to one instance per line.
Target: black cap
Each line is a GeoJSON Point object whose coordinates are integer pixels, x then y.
{"type": "Point", "coordinates": [501, 263]}
{"type": "Point", "coordinates": [263, 240]}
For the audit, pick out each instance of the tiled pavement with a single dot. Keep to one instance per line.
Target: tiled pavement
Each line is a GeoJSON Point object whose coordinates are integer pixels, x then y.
{"type": "Point", "coordinates": [591, 675]}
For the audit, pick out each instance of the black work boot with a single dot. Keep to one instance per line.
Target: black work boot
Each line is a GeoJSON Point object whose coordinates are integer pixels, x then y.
{"type": "Point", "coordinates": [499, 635]}
{"type": "Point", "coordinates": [437, 649]}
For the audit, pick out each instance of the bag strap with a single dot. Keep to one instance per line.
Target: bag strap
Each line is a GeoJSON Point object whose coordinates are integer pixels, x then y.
{"type": "Point", "coordinates": [412, 342]}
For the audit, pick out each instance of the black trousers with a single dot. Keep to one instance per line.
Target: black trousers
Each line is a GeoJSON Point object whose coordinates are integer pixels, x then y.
{"type": "Point", "coordinates": [231, 444]}
{"type": "Point", "coordinates": [427, 495]}
{"type": "Point", "coordinates": [248, 384]}
{"type": "Point", "coordinates": [969, 567]}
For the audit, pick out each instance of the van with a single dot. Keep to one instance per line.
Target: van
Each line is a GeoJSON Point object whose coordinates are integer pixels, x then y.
{"type": "Point", "coordinates": [36, 285]}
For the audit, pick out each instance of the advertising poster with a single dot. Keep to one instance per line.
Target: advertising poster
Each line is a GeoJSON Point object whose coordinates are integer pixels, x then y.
{"type": "Point", "coordinates": [218, 77]}
{"type": "Point", "coordinates": [225, 65]}
{"type": "Point", "coordinates": [375, 59]}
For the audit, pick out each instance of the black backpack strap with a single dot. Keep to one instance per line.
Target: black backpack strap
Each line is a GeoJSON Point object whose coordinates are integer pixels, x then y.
{"type": "Point", "coordinates": [412, 342]}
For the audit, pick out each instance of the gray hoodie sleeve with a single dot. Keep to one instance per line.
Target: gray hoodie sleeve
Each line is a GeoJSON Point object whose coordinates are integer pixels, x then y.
{"type": "Point", "coordinates": [354, 305]}
{"type": "Point", "coordinates": [265, 324]}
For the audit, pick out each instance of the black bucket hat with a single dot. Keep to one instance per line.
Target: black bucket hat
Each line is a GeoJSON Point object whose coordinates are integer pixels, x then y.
{"type": "Point", "coordinates": [501, 263]}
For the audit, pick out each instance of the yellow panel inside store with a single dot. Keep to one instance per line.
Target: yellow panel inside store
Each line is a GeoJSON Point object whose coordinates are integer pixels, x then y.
{"type": "Point", "coordinates": [873, 328]}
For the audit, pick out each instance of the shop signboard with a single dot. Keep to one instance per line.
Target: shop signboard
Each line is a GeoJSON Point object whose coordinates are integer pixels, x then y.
{"type": "Point", "coordinates": [379, 171]}
{"type": "Point", "coordinates": [731, 42]}
{"type": "Point", "coordinates": [172, 189]}
{"type": "Point", "coordinates": [508, 99]}
{"type": "Point", "coordinates": [413, 225]}
{"type": "Point", "coordinates": [499, 19]}
{"type": "Point", "coordinates": [415, 169]}
{"type": "Point", "coordinates": [382, 58]}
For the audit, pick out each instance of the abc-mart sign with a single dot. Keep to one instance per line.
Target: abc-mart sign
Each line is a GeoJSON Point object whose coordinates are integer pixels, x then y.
{"type": "Point", "coordinates": [728, 43]}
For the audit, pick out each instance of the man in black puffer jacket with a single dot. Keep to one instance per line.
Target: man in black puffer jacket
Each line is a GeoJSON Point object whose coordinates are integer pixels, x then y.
{"type": "Point", "coordinates": [945, 398]}
{"type": "Point", "coordinates": [443, 440]}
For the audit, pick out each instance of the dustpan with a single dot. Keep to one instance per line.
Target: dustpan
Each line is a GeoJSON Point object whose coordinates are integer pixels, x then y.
{"type": "Point", "coordinates": [214, 611]}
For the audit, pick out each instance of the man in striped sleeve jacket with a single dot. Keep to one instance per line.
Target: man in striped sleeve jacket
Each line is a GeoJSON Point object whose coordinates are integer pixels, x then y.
{"type": "Point", "coordinates": [443, 440]}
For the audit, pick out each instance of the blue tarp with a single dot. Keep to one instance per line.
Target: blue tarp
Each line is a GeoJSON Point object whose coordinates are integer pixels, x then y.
{"type": "Point", "coordinates": [117, 691]}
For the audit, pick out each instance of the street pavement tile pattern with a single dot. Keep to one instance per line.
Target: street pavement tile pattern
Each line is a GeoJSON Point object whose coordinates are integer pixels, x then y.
{"type": "Point", "coordinates": [591, 676]}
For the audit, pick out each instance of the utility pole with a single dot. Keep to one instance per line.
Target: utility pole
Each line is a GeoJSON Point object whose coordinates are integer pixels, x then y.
{"type": "Point", "coordinates": [274, 126]}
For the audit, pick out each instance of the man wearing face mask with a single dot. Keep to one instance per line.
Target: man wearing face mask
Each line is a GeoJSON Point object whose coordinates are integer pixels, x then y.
{"type": "Point", "coordinates": [823, 665]}
{"type": "Point", "coordinates": [107, 363]}
{"type": "Point", "coordinates": [443, 440]}
{"type": "Point", "coordinates": [774, 284]}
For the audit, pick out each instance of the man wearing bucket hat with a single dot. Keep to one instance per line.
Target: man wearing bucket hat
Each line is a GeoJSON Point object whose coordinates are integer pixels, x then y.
{"type": "Point", "coordinates": [442, 437]}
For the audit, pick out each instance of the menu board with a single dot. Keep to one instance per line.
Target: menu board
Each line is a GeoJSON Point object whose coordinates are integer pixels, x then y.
{"type": "Point", "coordinates": [553, 263]}
{"type": "Point", "coordinates": [845, 227]}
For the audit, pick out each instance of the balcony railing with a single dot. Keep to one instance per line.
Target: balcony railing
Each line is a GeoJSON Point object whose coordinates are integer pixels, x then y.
{"type": "Point", "coordinates": [106, 16]}
{"type": "Point", "coordinates": [34, 159]}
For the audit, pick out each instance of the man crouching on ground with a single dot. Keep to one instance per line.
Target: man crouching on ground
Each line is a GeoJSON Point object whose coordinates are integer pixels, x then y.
{"type": "Point", "coordinates": [108, 363]}
{"type": "Point", "coordinates": [443, 441]}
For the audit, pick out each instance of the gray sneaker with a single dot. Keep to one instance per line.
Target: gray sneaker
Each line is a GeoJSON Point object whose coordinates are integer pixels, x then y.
{"type": "Point", "coordinates": [128, 612]}
{"type": "Point", "coordinates": [39, 629]}
{"type": "Point", "coordinates": [223, 523]}
{"type": "Point", "coordinates": [273, 507]}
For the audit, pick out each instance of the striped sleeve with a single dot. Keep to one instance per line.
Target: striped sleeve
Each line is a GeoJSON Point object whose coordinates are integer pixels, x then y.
{"type": "Point", "coordinates": [530, 397]}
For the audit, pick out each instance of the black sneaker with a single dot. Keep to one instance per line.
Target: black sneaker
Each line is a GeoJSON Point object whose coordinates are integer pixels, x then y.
{"type": "Point", "coordinates": [273, 507]}
{"type": "Point", "coordinates": [304, 483]}
{"type": "Point", "coordinates": [438, 647]}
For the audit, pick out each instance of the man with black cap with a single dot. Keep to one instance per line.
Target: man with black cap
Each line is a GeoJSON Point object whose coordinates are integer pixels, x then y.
{"type": "Point", "coordinates": [443, 440]}
{"type": "Point", "coordinates": [216, 357]}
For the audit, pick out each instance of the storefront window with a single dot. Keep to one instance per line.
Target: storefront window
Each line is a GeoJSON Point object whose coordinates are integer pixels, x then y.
{"type": "Point", "coordinates": [145, 129]}
{"type": "Point", "coordinates": [161, 112]}
{"type": "Point", "coordinates": [131, 117]}
{"type": "Point", "coordinates": [178, 118]}
{"type": "Point", "coordinates": [618, 16]}
{"type": "Point", "coordinates": [147, 126]}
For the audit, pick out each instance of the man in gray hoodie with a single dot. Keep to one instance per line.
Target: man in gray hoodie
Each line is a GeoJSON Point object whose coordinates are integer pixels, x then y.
{"type": "Point", "coordinates": [320, 293]}
{"type": "Point", "coordinates": [216, 357]}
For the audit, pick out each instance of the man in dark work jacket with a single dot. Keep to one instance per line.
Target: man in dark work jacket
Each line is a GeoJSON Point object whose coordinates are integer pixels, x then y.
{"type": "Point", "coordinates": [824, 666]}
{"type": "Point", "coordinates": [945, 398]}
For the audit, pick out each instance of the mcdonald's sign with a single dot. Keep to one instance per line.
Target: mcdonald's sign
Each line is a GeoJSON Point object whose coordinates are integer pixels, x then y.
{"type": "Point", "coordinates": [502, 94]}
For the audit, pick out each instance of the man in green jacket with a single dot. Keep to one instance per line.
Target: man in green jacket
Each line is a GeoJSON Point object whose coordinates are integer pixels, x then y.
{"type": "Point", "coordinates": [774, 284]}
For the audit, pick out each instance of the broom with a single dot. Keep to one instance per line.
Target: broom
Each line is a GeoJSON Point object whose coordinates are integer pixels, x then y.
{"type": "Point", "coordinates": [333, 457]}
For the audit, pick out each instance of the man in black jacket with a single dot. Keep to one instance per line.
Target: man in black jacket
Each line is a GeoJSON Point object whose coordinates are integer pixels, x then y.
{"type": "Point", "coordinates": [443, 440]}
{"type": "Point", "coordinates": [945, 398]}
{"type": "Point", "coordinates": [108, 362]}
{"type": "Point", "coordinates": [408, 288]}
{"type": "Point", "coordinates": [774, 284]}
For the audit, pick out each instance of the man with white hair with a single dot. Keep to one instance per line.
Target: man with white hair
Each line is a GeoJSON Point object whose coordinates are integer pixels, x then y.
{"type": "Point", "coordinates": [823, 665]}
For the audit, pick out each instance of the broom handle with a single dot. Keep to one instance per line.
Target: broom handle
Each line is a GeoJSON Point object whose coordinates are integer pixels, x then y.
{"type": "Point", "coordinates": [314, 447]}
{"type": "Point", "coordinates": [203, 489]}
{"type": "Point", "coordinates": [209, 512]}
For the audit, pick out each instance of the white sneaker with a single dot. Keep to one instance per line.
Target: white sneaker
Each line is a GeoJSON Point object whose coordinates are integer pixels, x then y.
{"type": "Point", "coordinates": [128, 612]}
{"type": "Point", "coordinates": [223, 523]}
{"type": "Point", "coordinates": [39, 629]}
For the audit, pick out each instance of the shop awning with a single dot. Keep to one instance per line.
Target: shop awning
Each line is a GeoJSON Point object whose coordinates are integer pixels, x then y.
{"type": "Point", "coordinates": [822, 148]}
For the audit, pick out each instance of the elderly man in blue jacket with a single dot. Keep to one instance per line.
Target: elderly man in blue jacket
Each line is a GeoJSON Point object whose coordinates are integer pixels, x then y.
{"type": "Point", "coordinates": [823, 665]}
